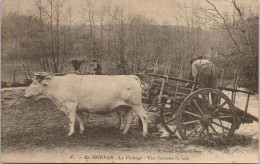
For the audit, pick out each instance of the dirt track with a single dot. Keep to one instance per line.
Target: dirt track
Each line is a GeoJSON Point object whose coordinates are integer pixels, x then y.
{"type": "Point", "coordinates": [36, 130]}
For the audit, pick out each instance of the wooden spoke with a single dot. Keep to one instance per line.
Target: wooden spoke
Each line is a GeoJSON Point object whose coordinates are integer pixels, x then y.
{"type": "Point", "coordinates": [215, 99]}
{"type": "Point", "coordinates": [210, 98]}
{"type": "Point", "coordinates": [213, 128]}
{"type": "Point", "coordinates": [221, 106]}
{"type": "Point", "coordinates": [190, 122]}
{"type": "Point", "coordinates": [194, 101]}
{"type": "Point", "coordinates": [220, 125]}
{"type": "Point", "coordinates": [220, 117]}
{"type": "Point", "coordinates": [170, 120]}
{"type": "Point", "coordinates": [202, 131]}
{"type": "Point", "coordinates": [193, 114]}
{"type": "Point", "coordinates": [193, 130]}
{"type": "Point", "coordinates": [204, 101]}
{"type": "Point", "coordinates": [207, 128]}
{"type": "Point", "coordinates": [207, 100]}
{"type": "Point", "coordinates": [167, 112]}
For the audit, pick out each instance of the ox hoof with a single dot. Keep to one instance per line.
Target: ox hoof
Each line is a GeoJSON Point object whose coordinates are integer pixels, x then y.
{"type": "Point", "coordinates": [145, 135]}
{"type": "Point", "coordinates": [69, 134]}
{"type": "Point", "coordinates": [81, 132]}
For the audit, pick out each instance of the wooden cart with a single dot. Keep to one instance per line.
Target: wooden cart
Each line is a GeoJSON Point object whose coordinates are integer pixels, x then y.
{"type": "Point", "coordinates": [196, 112]}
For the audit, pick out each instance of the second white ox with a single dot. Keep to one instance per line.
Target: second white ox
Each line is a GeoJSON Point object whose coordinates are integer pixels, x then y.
{"type": "Point", "coordinates": [101, 94]}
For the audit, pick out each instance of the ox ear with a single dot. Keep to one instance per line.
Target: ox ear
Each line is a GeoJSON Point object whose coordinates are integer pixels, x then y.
{"type": "Point", "coordinates": [50, 76]}
{"type": "Point", "coordinates": [45, 82]}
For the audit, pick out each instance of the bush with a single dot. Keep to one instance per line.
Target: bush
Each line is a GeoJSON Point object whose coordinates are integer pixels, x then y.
{"type": "Point", "coordinates": [5, 84]}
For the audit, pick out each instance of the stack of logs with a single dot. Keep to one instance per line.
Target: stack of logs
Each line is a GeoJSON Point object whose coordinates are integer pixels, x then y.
{"type": "Point", "coordinates": [170, 89]}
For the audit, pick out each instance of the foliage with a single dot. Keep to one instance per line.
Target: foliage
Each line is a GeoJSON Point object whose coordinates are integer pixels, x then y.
{"type": "Point", "coordinates": [127, 43]}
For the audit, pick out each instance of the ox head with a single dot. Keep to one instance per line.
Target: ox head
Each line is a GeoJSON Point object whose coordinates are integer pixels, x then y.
{"type": "Point", "coordinates": [39, 83]}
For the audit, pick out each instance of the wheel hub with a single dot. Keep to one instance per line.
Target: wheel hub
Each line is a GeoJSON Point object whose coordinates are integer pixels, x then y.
{"type": "Point", "coordinates": [206, 119]}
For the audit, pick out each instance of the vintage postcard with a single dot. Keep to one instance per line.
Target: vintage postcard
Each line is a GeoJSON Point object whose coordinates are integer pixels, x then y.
{"type": "Point", "coordinates": [129, 81]}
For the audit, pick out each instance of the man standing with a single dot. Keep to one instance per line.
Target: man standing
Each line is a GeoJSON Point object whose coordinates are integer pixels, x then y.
{"type": "Point", "coordinates": [205, 70]}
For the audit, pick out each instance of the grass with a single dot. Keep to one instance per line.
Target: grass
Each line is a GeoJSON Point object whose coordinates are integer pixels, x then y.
{"type": "Point", "coordinates": [37, 125]}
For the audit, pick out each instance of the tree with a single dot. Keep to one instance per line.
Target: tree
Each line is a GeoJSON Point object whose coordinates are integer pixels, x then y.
{"type": "Point", "coordinates": [52, 38]}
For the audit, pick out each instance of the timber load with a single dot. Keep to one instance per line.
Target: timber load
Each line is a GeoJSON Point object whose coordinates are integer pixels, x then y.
{"type": "Point", "coordinates": [170, 88]}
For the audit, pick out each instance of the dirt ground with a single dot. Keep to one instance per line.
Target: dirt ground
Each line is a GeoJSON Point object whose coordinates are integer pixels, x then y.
{"type": "Point", "coordinates": [35, 131]}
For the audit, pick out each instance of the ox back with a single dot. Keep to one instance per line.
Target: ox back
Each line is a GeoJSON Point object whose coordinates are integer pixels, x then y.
{"type": "Point", "coordinates": [95, 93]}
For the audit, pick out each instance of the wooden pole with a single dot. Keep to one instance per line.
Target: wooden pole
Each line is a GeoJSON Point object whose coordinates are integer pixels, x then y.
{"type": "Point", "coordinates": [172, 78]}
{"type": "Point", "coordinates": [221, 82]}
{"type": "Point", "coordinates": [163, 81]}
{"type": "Point", "coordinates": [180, 76]}
{"type": "Point", "coordinates": [222, 77]}
{"type": "Point", "coordinates": [234, 83]}
{"type": "Point", "coordinates": [248, 96]}
{"type": "Point", "coordinates": [155, 70]}
{"type": "Point", "coordinates": [169, 66]}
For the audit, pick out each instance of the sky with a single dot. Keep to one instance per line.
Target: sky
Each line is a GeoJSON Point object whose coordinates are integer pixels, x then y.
{"type": "Point", "coordinates": [162, 11]}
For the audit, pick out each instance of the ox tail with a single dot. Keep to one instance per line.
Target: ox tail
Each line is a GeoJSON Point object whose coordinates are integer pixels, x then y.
{"type": "Point", "coordinates": [143, 85]}
{"type": "Point", "coordinates": [136, 78]}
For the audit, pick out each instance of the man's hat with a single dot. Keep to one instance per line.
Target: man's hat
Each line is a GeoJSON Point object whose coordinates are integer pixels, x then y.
{"type": "Point", "coordinates": [195, 57]}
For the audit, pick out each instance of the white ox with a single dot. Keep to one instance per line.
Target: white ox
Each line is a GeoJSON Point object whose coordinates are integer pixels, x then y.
{"type": "Point", "coordinates": [100, 94]}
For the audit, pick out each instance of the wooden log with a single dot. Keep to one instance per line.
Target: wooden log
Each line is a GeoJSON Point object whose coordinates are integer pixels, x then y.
{"type": "Point", "coordinates": [172, 88]}
{"type": "Point", "coordinates": [172, 78]}
{"type": "Point", "coordinates": [236, 90]}
{"type": "Point", "coordinates": [172, 93]}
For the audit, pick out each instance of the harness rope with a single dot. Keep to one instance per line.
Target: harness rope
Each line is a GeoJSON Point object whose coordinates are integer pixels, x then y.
{"type": "Point", "coordinates": [13, 103]}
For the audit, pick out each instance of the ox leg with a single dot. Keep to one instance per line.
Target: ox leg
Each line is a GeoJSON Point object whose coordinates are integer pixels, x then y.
{"type": "Point", "coordinates": [119, 120]}
{"type": "Point", "coordinates": [72, 107]}
{"type": "Point", "coordinates": [122, 125]}
{"type": "Point", "coordinates": [143, 116]}
{"type": "Point", "coordinates": [81, 126]}
{"type": "Point", "coordinates": [129, 120]}
{"type": "Point", "coordinates": [121, 116]}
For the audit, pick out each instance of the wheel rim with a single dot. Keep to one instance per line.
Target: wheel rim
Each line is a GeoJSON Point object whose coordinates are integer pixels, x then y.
{"type": "Point", "coordinates": [168, 120]}
{"type": "Point", "coordinates": [206, 112]}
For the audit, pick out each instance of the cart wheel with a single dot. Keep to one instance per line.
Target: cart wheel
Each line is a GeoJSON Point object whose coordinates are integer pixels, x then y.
{"type": "Point", "coordinates": [206, 112]}
{"type": "Point", "coordinates": [168, 119]}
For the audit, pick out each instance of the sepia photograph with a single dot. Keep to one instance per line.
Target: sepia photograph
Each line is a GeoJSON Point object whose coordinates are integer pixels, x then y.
{"type": "Point", "coordinates": [129, 81]}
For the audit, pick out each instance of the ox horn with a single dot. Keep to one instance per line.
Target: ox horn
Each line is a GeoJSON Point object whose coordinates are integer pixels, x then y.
{"type": "Point", "coordinates": [32, 72]}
